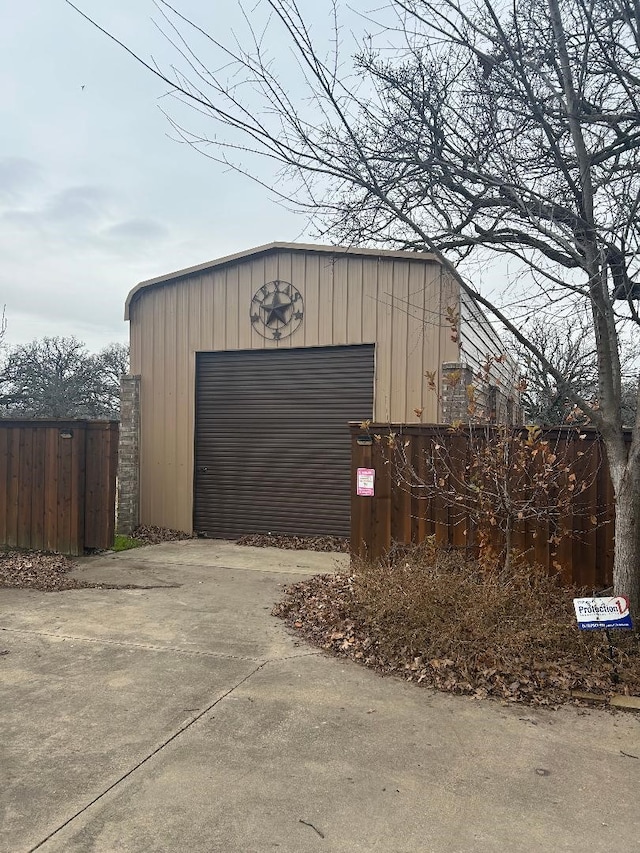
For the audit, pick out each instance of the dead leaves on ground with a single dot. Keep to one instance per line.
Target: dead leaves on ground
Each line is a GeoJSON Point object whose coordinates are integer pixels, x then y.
{"type": "Point", "coordinates": [326, 610]}
{"type": "Point", "coordinates": [37, 570]}
{"type": "Point", "coordinates": [296, 543]}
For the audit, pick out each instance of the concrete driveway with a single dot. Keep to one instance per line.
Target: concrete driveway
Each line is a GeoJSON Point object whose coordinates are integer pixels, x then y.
{"type": "Point", "coordinates": [183, 717]}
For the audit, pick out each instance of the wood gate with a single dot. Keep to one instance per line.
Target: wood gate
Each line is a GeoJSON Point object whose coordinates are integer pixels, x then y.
{"type": "Point", "coordinates": [58, 484]}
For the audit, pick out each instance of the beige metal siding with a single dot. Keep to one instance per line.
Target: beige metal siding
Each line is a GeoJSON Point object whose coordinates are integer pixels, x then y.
{"type": "Point", "coordinates": [396, 303]}
{"type": "Point", "coordinates": [479, 341]}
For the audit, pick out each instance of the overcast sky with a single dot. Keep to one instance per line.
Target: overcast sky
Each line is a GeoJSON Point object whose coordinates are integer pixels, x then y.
{"type": "Point", "coordinates": [94, 194]}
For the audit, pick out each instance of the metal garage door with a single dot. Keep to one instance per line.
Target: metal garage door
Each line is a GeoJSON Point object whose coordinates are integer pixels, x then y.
{"type": "Point", "coordinates": [272, 450]}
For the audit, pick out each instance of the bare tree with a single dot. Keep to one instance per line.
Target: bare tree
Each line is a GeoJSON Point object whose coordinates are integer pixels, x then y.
{"type": "Point", "coordinates": [569, 346]}
{"type": "Point", "coordinates": [482, 126]}
{"type": "Point", "coordinates": [60, 378]}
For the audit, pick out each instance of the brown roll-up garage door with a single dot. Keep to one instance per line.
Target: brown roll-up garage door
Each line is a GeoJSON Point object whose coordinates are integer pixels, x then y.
{"type": "Point", "coordinates": [272, 452]}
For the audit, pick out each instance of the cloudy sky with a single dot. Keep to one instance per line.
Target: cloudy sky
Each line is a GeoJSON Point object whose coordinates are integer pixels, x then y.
{"type": "Point", "coordinates": [94, 194]}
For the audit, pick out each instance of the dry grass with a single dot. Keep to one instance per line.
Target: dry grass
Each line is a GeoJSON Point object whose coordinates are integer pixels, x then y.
{"type": "Point", "coordinates": [434, 618]}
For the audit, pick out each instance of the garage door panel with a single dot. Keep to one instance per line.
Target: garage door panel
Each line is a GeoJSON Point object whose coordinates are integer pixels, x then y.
{"type": "Point", "coordinates": [272, 444]}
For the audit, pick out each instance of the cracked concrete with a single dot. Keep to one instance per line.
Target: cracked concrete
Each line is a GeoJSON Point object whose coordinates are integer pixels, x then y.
{"type": "Point", "coordinates": [186, 718]}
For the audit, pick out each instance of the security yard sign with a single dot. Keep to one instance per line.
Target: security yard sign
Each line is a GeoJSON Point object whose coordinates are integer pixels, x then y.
{"type": "Point", "coordinates": [365, 485]}
{"type": "Point", "coordinates": [602, 613]}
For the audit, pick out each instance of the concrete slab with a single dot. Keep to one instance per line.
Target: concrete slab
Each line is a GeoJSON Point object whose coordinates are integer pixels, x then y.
{"type": "Point", "coordinates": [76, 716]}
{"type": "Point", "coordinates": [373, 765]}
{"type": "Point", "coordinates": [187, 719]}
{"type": "Point", "coordinates": [218, 553]}
{"type": "Point", "coordinates": [197, 601]}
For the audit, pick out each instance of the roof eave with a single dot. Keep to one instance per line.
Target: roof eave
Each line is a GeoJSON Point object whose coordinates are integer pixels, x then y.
{"type": "Point", "coordinates": [264, 249]}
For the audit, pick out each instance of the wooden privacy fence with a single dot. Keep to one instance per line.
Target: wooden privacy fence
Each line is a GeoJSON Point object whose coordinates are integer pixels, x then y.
{"type": "Point", "coordinates": [58, 484]}
{"type": "Point", "coordinates": [579, 544]}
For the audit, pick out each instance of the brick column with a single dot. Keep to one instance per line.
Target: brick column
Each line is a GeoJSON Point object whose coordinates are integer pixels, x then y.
{"type": "Point", "coordinates": [455, 378]}
{"type": "Point", "coordinates": [129, 456]}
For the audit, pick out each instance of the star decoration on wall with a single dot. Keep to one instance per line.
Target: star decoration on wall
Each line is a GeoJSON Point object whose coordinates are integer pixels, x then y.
{"type": "Point", "coordinates": [276, 310]}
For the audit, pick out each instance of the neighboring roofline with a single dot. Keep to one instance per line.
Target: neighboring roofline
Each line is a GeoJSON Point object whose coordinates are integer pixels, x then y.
{"type": "Point", "coordinates": [263, 250]}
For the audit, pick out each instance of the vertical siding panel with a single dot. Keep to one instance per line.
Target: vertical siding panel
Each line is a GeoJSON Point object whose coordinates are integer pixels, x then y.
{"type": "Point", "coordinates": [284, 273]}
{"type": "Point", "coordinates": [271, 268]}
{"type": "Point", "coordinates": [259, 277]}
{"type": "Point", "coordinates": [271, 272]}
{"type": "Point", "coordinates": [399, 341]}
{"type": "Point", "coordinates": [449, 297]}
{"type": "Point", "coordinates": [154, 414]}
{"type": "Point", "coordinates": [312, 301]}
{"type": "Point", "coordinates": [357, 269]}
{"type": "Point", "coordinates": [194, 339]}
{"type": "Point", "coordinates": [382, 396]}
{"type": "Point", "coordinates": [416, 331]}
{"type": "Point", "coordinates": [142, 368]}
{"type": "Point", "coordinates": [214, 305]}
{"type": "Point", "coordinates": [231, 313]}
{"type": "Point", "coordinates": [168, 401]}
{"type": "Point", "coordinates": [369, 299]}
{"type": "Point", "coordinates": [245, 292]}
{"type": "Point", "coordinates": [297, 277]}
{"type": "Point", "coordinates": [180, 380]}
{"type": "Point", "coordinates": [201, 315]}
{"type": "Point", "coordinates": [284, 269]}
{"type": "Point", "coordinates": [135, 343]}
{"type": "Point", "coordinates": [158, 404]}
{"type": "Point", "coordinates": [340, 301]}
{"type": "Point", "coordinates": [144, 311]}
{"type": "Point", "coordinates": [325, 289]}
{"type": "Point", "coordinates": [432, 341]}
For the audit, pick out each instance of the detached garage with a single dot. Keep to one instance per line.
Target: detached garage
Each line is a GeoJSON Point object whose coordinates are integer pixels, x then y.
{"type": "Point", "coordinates": [246, 371]}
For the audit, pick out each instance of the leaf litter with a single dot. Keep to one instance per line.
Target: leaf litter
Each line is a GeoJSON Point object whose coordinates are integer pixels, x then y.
{"type": "Point", "coordinates": [440, 621]}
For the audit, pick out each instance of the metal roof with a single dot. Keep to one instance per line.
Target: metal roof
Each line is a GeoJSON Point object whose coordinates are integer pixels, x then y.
{"type": "Point", "coordinates": [266, 249]}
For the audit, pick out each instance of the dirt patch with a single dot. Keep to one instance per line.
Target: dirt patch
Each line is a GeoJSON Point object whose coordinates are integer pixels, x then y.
{"type": "Point", "coordinates": [296, 543]}
{"type": "Point", "coordinates": [437, 620]}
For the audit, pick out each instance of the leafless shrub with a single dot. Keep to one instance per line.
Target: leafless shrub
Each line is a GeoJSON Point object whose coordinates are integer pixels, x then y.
{"type": "Point", "coordinates": [433, 617]}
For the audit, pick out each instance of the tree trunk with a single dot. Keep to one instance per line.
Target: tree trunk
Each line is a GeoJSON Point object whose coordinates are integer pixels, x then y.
{"type": "Point", "coordinates": [626, 565]}
{"type": "Point", "coordinates": [508, 545]}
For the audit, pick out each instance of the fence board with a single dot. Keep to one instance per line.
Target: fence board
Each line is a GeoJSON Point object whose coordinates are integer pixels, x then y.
{"type": "Point", "coordinates": [398, 513]}
{"type": "Point", "coordinates": [4, 482]}
{"type": "Point", "coordinates": [38, 490]}
{"type": "Point", "coordinates": [57, 484]}
{"type": "Point", "coordinates": [13, 490]}
{"type": "Point", "coordinates": [51, 510]}
{"type": "Point", "coordinates": [101, 462]}
{"type": "Point", "coordinates": [25, 475]}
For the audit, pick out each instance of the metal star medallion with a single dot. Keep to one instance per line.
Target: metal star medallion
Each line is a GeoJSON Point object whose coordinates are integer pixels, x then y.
{"type": "Point", "coordinates": [276, 310]}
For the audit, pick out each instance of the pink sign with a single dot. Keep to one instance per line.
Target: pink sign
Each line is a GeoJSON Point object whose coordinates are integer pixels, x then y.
{"type": "Point", "coordinates": [366, 478]}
